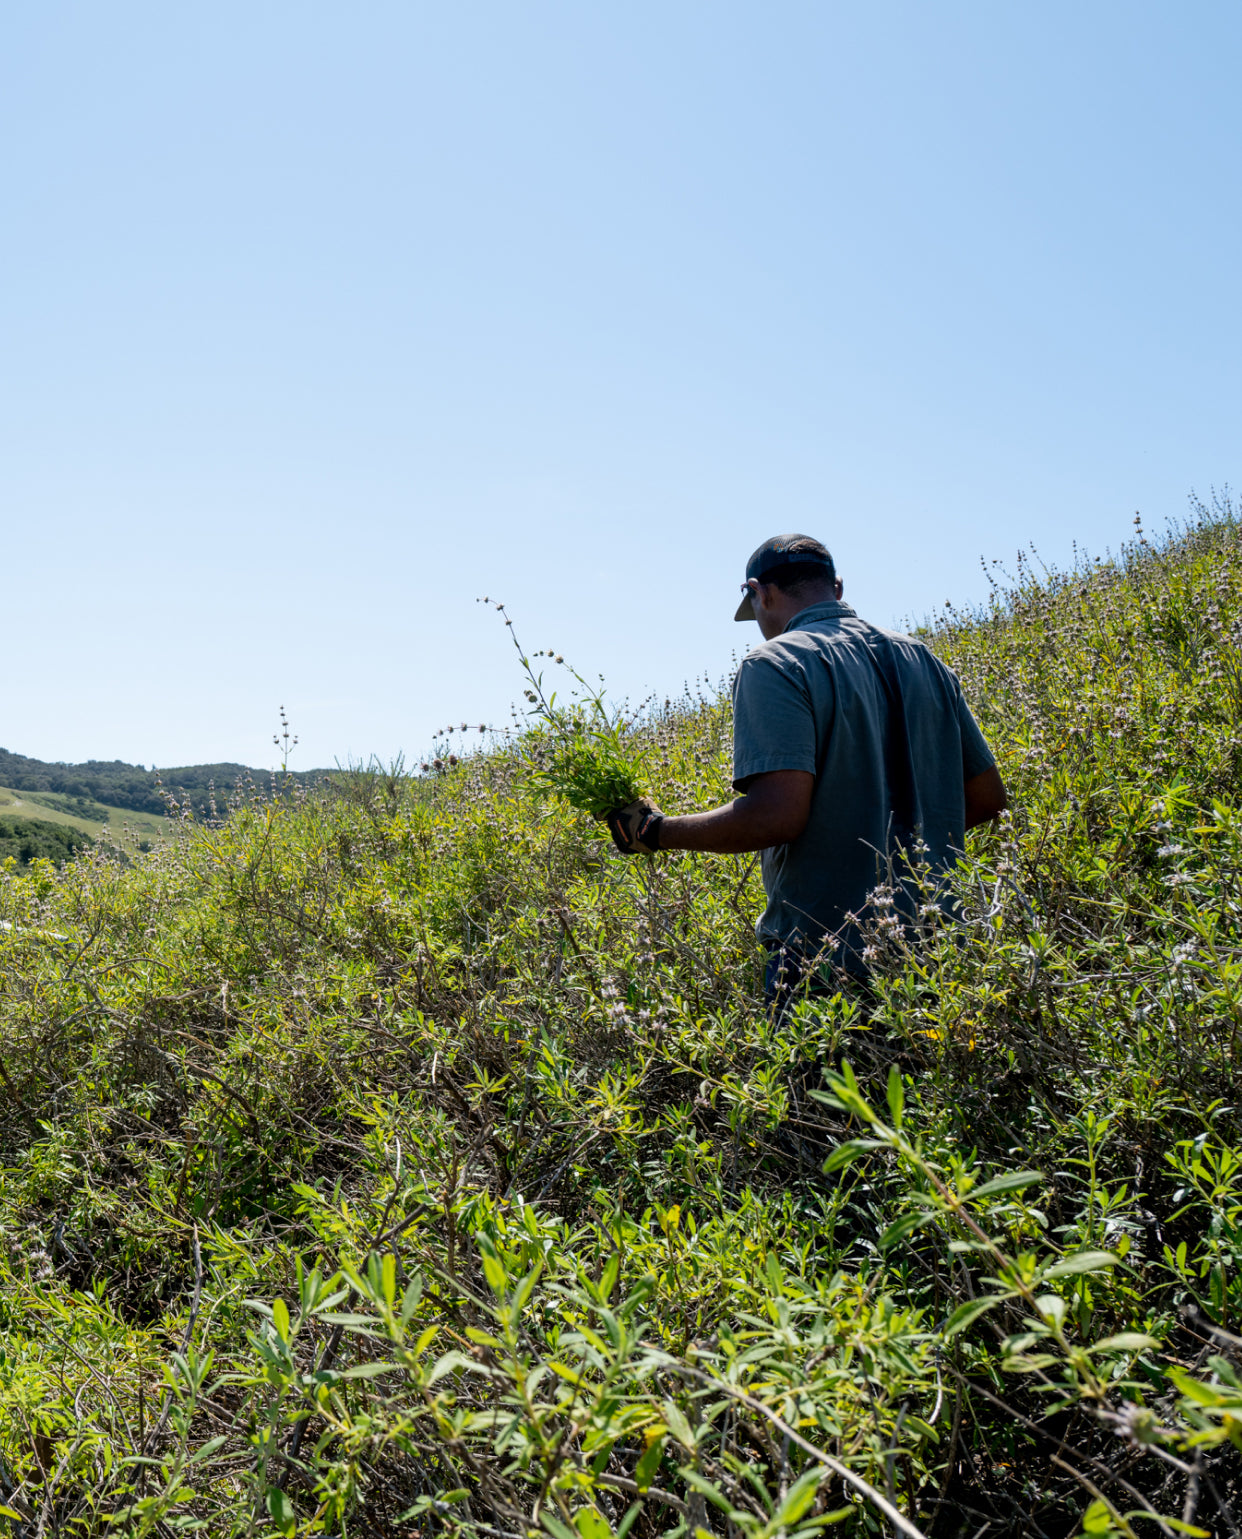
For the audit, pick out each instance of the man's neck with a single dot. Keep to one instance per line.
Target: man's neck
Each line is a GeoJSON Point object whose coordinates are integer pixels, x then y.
{"type": "Point", "coordinates": [792, 605]}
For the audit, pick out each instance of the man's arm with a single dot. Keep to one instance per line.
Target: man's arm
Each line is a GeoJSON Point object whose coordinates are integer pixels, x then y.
{"type": "Point", "coordinates": [773, 810]}
{"type": "Point", "coordinates": [986, 797]}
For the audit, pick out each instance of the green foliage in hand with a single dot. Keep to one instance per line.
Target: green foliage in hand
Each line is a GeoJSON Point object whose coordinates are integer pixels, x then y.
{"type": "Point", "coordinates": [581, 752]}
{"type": "Point", "coordinates": [584, 759]}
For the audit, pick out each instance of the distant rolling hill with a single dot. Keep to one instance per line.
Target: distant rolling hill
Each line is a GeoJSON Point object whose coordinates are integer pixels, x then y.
{"type": "Point", "coordinates": [113, 783]}
{"type": "Point", "coordinates": [104, 794]}
{"type": "Point", "coordinates": [73, 814]}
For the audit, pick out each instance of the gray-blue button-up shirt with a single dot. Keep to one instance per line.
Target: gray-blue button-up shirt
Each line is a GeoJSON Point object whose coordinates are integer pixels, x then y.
{"type": "Point", "coordinates": [880, 722]}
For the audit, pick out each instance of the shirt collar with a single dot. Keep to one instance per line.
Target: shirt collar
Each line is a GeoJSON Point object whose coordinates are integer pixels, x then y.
{"type": "Point", "coordinates": [830, 609]}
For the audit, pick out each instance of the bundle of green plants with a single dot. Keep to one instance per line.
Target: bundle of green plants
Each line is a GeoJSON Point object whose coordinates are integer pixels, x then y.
{"type": "Point", "coordinates": [382, 1162]}
{"type": "Point", "coordinates": [580, 751]}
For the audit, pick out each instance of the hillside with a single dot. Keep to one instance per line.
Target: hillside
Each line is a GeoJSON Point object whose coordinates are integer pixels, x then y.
{"type": "Point", "coordinates": [114, 783]}
{"type": "Point", "coordinates": [393, 1159]}
{"type": "Point", "coordinates": [71, 816]}
{"type": "Point", "coordinates": [24, 839]}
{"type": "Point", "coordinates": [121, 803]}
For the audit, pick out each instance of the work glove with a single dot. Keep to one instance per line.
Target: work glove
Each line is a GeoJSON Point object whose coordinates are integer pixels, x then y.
{"type": "Point", "coordinates": [635, 829]}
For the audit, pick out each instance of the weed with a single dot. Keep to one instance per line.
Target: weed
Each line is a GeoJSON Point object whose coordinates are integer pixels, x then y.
{"type": "Point", "coordinates": [581, 752]}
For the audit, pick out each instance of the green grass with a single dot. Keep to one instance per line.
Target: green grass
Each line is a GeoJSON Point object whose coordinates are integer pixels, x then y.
{"type": "Point", "coordinates": [394, 1159]}
{"type": "Point", "coordinates": [129, 828]}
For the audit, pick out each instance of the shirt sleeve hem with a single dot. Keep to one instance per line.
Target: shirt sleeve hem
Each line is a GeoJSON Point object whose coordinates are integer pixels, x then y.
{"type": "Point", "coordinates": [745, 772]}
{"type": "Point", "coordinates": [977, 764]}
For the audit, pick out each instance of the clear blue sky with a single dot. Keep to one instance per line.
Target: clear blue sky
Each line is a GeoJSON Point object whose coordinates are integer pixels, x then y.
{"type": "Point", "coordinates": [318, 321]}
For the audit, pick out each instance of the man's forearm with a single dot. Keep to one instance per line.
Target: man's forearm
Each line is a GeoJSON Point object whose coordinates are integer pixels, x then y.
{"type": "Point", "coordinates": [774, 811]}
{"type": "Point", "coordinates": [723, 831]}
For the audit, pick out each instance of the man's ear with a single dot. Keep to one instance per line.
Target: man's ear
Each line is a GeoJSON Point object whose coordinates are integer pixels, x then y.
{"type": "Point", "coordinates": [838, 587]}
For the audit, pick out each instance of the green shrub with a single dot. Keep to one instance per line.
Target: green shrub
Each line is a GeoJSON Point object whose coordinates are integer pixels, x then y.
{"type": "Point", "coordinates": [27, 839]}
{"type": "Point", "coordinates": [391, 1159]}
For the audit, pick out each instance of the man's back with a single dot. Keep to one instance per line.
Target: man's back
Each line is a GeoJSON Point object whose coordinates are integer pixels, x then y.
{"type": "Point", "coordinates": [881, 724]}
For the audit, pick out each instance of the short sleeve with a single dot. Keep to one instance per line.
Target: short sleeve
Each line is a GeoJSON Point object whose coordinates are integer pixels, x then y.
{"type": "Point", "coordinates": [773, 720]}
{"type": "Point", "coordinates": [976, 755]}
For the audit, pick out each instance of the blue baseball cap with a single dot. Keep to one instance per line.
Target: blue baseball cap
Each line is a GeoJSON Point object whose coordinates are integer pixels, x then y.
{"type": "Point", "coordinates": [777, 552]}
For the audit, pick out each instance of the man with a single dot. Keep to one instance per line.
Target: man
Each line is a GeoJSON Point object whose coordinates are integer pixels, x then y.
{"type": "Point", "coordinates": [851, 745]}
